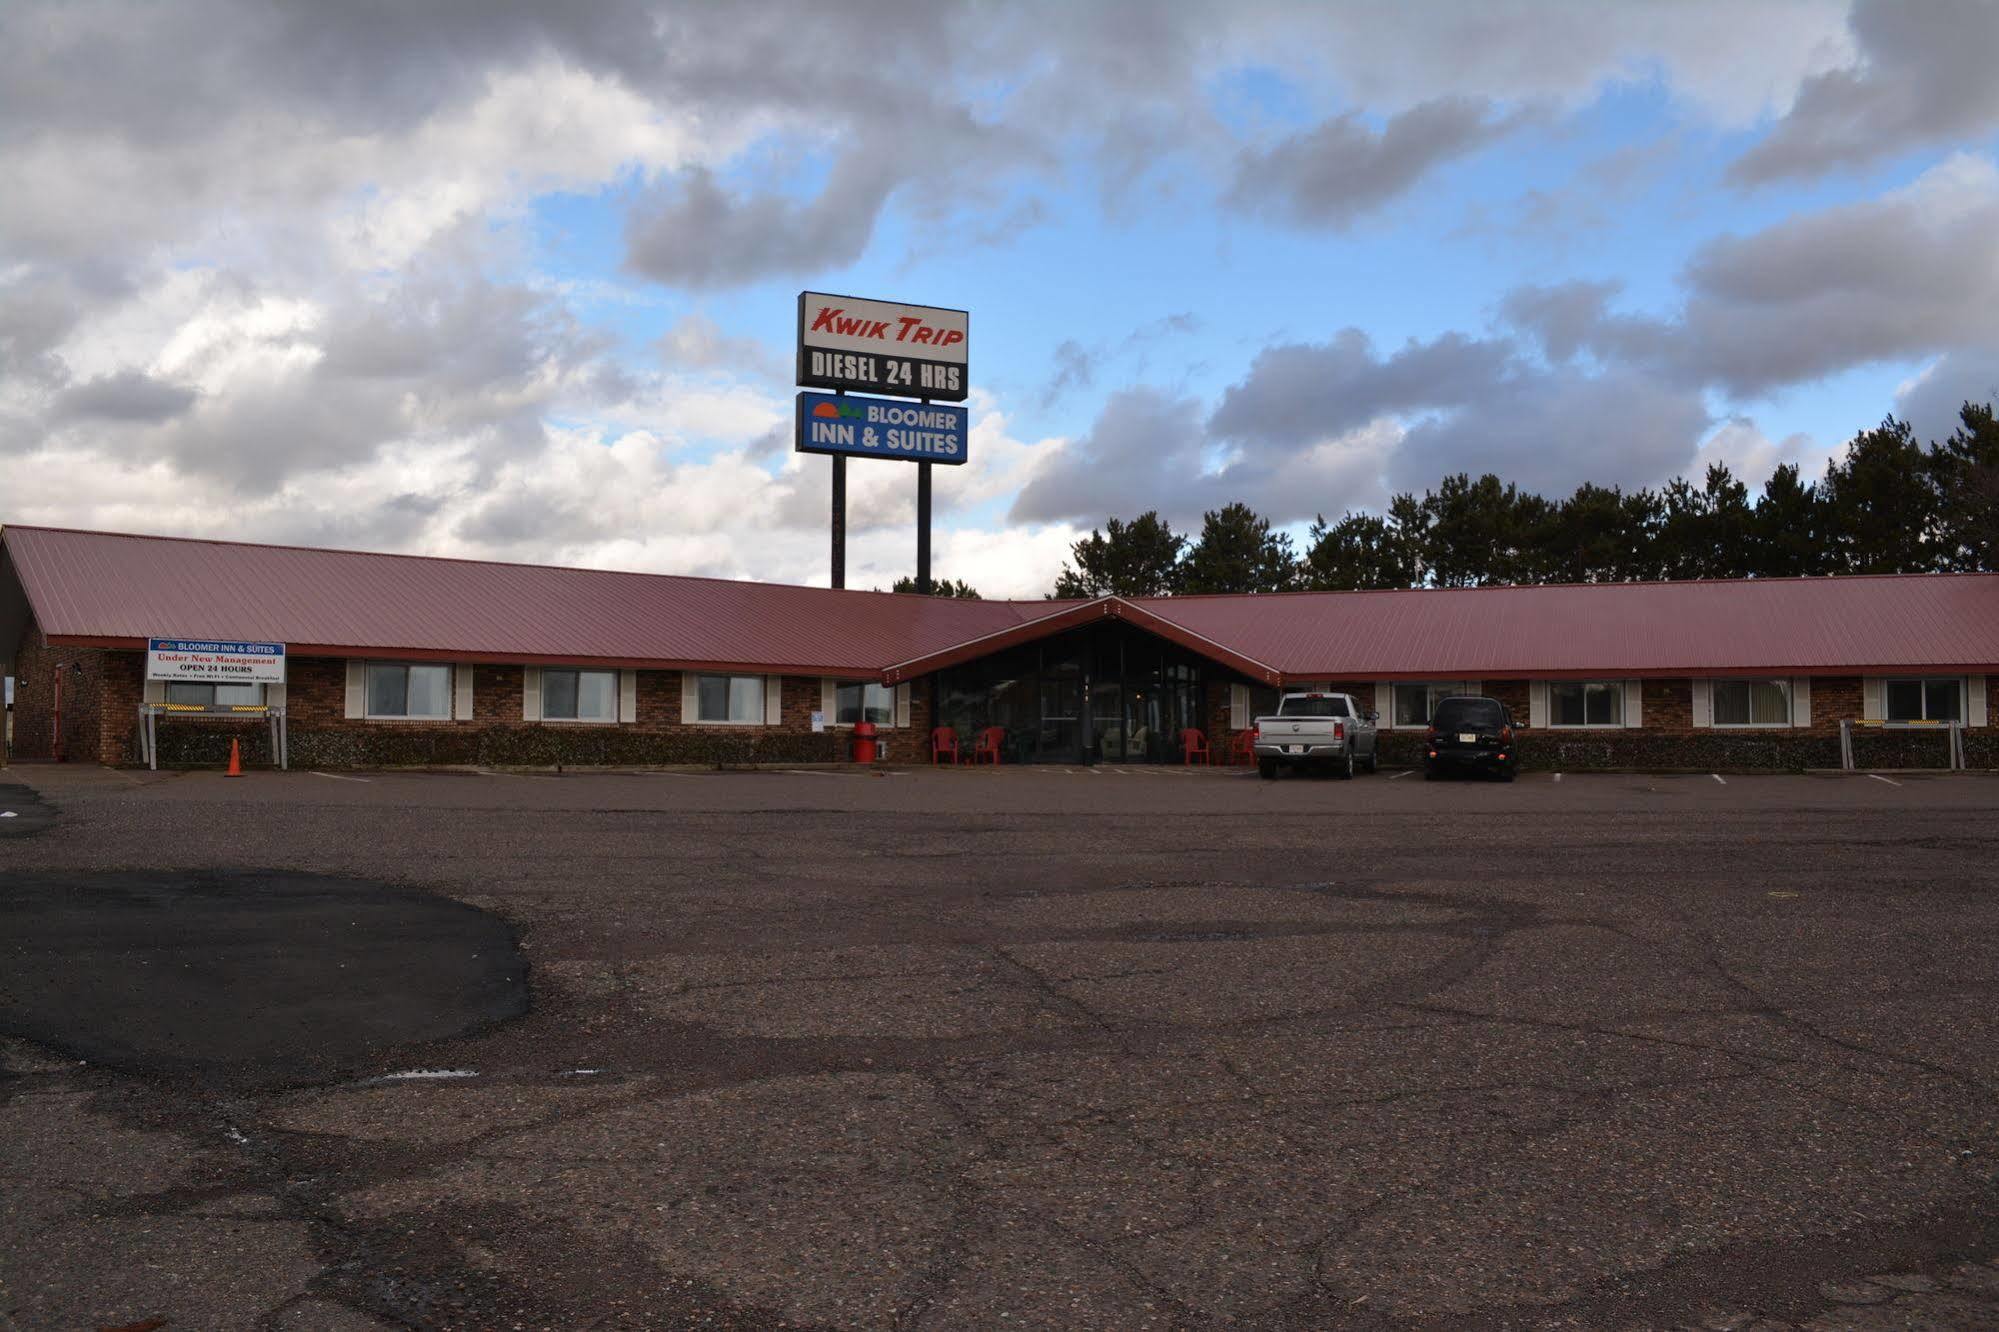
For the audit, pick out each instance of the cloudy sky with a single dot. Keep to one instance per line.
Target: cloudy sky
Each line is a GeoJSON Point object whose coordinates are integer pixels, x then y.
{"type": "Point", "coordinates": [518, 280]}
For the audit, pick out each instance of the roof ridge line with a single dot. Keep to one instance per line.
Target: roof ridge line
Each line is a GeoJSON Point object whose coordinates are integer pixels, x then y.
{"type": "Point", "coordinates": [483, 563]}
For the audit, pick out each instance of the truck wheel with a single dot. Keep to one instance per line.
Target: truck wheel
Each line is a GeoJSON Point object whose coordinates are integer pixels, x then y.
{"type": "Point", "coordinates": [1267, 769]}
{"type": "Point", "coordinates": [1346, 768]}
{"type": "Point", "coordinates": [1374, 759]}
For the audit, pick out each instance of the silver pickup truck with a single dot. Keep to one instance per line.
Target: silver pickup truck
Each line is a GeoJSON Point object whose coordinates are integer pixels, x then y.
{"type": "Point", "coordinates": [1324, 730]}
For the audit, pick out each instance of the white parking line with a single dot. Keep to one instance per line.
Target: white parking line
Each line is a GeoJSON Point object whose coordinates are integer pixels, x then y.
{"type": "Point", "coordinates": [1717, 777]}
{"type": "Point", "coordinates": [1879, 778]}
{"type": "Point", "coordinates": [488, 772]}
{"type": "Point", "coordinates": [336, 777]}
{"type": "Point", "coordinates": [1558, 776]}
{"type": "Point", "coordinates": [1398, 776]}
{"type": "Point", "coordinates": [807, 772]}
{"type": "Point", "coordinates": [6, 813]}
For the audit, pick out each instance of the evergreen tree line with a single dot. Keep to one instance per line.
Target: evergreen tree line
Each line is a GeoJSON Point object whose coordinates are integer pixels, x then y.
{"type": "Point", "coordinates": [1890, 505]}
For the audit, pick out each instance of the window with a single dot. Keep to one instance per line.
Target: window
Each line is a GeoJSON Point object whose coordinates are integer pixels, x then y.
{"type": "Point", "coordinates": [1414, 702]}
{"type": "Point", "coordinates": [737, 699]}
{"type": "Point", "coordinates": [590, 696]}
{"type": "Point", "coordinates": [1586, 702]}
{"type": "Point", "coordinates": [864, 702]}
{"type": "Point", "coordinates": [409, 691]}
{"type": "Point", "coordinates": [1312, 707]}
{"type": "Point", "coordinates": [215, 695]}
{"type": "Point", "coordinates": [1923, 700]}
{"type": "Point", "coordinates": [1752, 702]}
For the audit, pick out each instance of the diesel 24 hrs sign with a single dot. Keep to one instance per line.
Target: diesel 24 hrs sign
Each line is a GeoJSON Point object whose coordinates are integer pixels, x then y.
{"type": "Point", "coordinates": [918, 351]}
{"type": "Point", "coordinates": [881, 428]}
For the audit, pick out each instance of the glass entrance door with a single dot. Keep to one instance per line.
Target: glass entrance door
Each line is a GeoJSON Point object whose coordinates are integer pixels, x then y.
{"type": "Point", "coordinates": [1107, 720]}
{"type": "Point", "coordinates": [1109, 693]}
{"type": "Point", "coordinates": [1061, 726]}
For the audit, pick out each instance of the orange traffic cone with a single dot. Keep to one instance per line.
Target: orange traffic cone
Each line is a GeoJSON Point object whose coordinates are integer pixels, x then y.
{"type": "Point", "coordinates": [235, 759]}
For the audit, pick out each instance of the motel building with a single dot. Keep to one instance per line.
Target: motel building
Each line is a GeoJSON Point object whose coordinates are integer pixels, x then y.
{"type": "Point", "coordinates": [402, 660]}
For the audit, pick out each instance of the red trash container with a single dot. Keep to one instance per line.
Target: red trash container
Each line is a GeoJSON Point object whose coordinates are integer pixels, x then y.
{"type": "Point", "coordinates": [865, 745]}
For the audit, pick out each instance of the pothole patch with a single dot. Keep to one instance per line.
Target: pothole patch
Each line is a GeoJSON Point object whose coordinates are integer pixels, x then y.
{"type": "Point", "coordinates": [23, 812]}
{"type": "Point", "coordinates": [270, 975]}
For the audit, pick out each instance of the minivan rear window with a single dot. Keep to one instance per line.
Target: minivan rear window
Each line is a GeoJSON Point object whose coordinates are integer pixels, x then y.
{"type": "Point", "coordinates": [1468, 712]}
{"type": "Point", "coordinates": [1313, 707]}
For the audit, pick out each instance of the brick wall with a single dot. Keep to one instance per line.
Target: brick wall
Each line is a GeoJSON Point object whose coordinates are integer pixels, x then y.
{"type": "Point", "coordinates": [102, 697]}
{"type": "Point", "coordinates": [1834, 697]}
{"type": "Point", "coordinates": [1668, 705]}
{"type": "Point", "coordinates": [1512, 694]}
{"type": "Point", "coordinates": [100, 700]}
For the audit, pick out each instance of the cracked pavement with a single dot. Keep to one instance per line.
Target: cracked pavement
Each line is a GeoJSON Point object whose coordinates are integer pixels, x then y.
{"type": "Point", "coordinates": [1043, 1049]}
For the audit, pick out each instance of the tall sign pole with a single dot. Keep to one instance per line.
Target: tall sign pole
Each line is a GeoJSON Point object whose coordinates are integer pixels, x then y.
{"type": "Point", "coordinates": [839, 520]}
{"type": "Point", "coordinates": [919, 351]}
{"type": "Point", "coordinates": [923, 528]}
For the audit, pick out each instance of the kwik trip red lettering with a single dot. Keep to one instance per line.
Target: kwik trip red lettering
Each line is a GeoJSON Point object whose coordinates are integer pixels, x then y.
{"type": "Point", "coordinates": [911, 329]}
{"type": "Point", "coordinates": [868, 346]}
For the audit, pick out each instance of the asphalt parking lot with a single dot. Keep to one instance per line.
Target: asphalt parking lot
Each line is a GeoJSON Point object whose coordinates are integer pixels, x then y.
{"type": "Point", "coordinates": [1028, 1048]}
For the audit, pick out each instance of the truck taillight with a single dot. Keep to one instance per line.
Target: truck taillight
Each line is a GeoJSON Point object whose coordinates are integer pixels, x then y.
{"type": "Point", "coordinates": [1339, 730]}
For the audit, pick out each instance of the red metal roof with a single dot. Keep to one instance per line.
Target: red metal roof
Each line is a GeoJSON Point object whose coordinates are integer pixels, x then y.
{"type": "Point", "coordinates": [114, 590]}
{"type": "Point", "coordinates": [109, 589]}
{"type": "Point", "coordinates": [1943, 621]}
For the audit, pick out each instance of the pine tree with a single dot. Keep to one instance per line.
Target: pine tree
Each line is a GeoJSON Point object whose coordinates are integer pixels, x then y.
{"type": "Point", "coordinates": [1237, 552]}
{"type": "Point", "coordinates": [1881, 504]}
{"type": "Point", "coordinates": [1787, 528]}
{"type": "Point", "coordinates": [1966, 470]}
{"type": "Point", "coordinates": [1359, 551]}
{"type": "Point", "coordinates": [1135, 559]}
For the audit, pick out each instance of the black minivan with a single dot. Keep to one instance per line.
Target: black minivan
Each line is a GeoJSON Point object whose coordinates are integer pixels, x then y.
{"type": "Point", "coordinates": [1472, 734]}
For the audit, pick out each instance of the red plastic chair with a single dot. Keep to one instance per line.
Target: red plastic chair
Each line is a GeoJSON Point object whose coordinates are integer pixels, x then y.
{"type": "Point", "coordinates": [1242, 749]}
{"type": "Point", "coordinates": [988, 745]}
{"type": "Point", "coordinates": [1193, 746]}
{"type": "Point", "coordinates": [944, 740]}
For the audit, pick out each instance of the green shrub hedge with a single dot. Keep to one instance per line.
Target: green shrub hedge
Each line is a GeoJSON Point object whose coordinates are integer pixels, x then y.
{"type": "Point", "coordinates": [206, 745]}
{"type": "Point", "coordinates": [1708, 751]}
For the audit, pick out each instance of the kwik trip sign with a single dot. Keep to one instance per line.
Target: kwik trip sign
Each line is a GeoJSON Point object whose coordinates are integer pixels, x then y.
{"type": "Point", "coordinates": [914, 351]}
{"type": "Point", "coordinates": [224, 661]}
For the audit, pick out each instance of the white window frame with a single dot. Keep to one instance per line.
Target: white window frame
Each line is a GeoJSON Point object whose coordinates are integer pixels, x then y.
{"type": "Point", "coordinates": [617, 685]}
{"type": "Point", "coordinates": [763, 698]}
{"type": "Point", "coordinates": [1616, 688]}
{"type": "Point", "coordinates": [450, 692]}
{"type": "Point", "coordinates": [167, 694]}
{"type": "Point", "coordinates": [1963, 697]}
{"type": "Point", "coordinates": [1788, 685]}
{"type": "Point", "coordinates": [892, 691]}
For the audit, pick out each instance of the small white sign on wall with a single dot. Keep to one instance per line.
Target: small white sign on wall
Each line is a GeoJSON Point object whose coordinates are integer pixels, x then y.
{"type": "Point", "coordinates": [818, 721]}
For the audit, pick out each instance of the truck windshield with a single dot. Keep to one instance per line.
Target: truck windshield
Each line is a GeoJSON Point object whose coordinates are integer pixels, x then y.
{"type": "Point", "coordinates": [1313, 707]}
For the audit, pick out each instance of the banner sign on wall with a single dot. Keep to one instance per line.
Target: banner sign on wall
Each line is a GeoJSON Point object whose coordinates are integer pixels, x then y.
{"type": "Point", "coordinates": [882, 428]}
{"type": "Point", "coordinates": [220, 661]}
{"type": "Point", "coordinates": [918, 351]}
